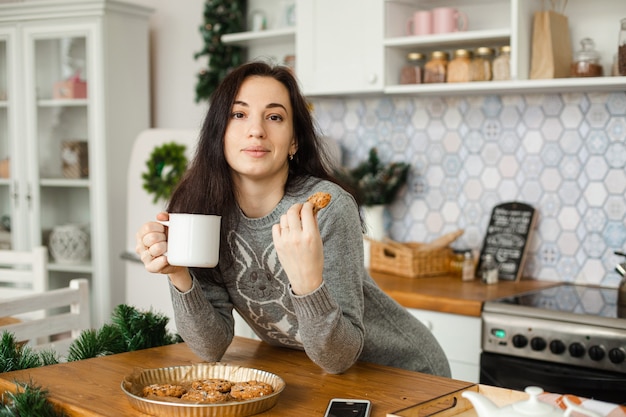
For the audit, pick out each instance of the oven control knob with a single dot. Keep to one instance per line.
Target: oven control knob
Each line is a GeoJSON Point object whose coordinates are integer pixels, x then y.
{"type": "Point", "coordinates": [596, 353]}
{"type": "Point", "coordinates": [617, 355]}
{"type": "Point", "coordinates": [538, 343]}
{"type": "Point", "coordinates": [577, 350]}
{"type": "Point", "coordinates": [557, 347]}
{"type": "Point", "coordinates": [519, 341]}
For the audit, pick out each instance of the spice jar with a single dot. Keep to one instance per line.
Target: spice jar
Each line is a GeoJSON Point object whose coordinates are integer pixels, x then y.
{"type": "Point", "coordinates": [436, 68]}
{"type": "Point", "coordinates": [467, 270]}
{"type": "Point", "coordinates": [586, 61]}
{"type": "Point", "coordinates": [481, 64]}
{"type": "Point", "coordinates": [621, 51]}
{"type": "Point", "coordinates": [489, 270]}
{"type": "Point", "coordinates": [412, 71]}
{"type": "Point", "coordinates": [459, 67]}
{"type": "Point", "coordinates": [501, 66]}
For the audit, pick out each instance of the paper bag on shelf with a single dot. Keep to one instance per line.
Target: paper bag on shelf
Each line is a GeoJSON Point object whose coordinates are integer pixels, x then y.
{"type": "Point", "coordinates": [551, 47]}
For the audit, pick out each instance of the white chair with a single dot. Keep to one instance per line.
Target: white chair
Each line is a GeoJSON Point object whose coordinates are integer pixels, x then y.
{"type": "Point", "coordinates": [56, 329]}
{"type": "Point", "coordinates": [23, 272]}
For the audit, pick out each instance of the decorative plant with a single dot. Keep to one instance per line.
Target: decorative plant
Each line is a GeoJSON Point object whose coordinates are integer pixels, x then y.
{"type": "Point", "coordinates": [374, 182]}
{"type": "Point", "coordinates": [166, 167]}
{"type": "Point", "coordinates": [14, 356]}
{"type": "Point", "coordinates": [29, 400]}
{"type": "Point", "coordinates": [131, 330]}
{"type": "Point", "coordinates": [220, 17]}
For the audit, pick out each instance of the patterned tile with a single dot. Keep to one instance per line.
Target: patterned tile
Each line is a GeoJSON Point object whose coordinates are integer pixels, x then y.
{"type": "Point", "coordinates": [565, 154]}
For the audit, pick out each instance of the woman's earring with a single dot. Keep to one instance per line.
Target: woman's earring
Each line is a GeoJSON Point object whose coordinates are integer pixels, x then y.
{"type": "Point", "coordinates": [291, 157]}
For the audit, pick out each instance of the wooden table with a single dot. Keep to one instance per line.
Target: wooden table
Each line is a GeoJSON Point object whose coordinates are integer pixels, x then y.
{"type": "Point", "coordinates": [448, 294]}
{"type": "Point", "coordinates": [91, 387]}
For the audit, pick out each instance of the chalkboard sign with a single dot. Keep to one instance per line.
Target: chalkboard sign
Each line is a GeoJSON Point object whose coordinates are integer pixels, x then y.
{"type": "Point", "coordinates": [507, 238]}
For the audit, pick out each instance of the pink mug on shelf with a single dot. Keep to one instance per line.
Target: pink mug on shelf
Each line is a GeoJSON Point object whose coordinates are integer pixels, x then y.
{"type": "Point", "coordinates": [421, 23]}
{"type": "Point", "coordinates": [449, 19]}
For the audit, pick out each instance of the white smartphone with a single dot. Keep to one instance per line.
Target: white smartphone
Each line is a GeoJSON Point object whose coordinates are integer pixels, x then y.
{"type": "Point", "coordinates": [344, 407]}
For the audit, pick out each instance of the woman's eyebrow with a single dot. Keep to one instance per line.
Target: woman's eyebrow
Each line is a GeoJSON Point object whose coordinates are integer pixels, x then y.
{"type": "Point", "coordinates": [272, 105]}
{"type": "Point", "coordinates": [269, 106]}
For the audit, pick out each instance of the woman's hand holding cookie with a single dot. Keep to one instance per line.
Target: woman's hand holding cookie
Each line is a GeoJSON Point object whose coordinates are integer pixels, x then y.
{"type": "Point", "coordinates": [299, 244]}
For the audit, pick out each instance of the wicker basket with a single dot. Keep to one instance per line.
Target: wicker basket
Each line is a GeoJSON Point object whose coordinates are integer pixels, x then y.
{"type": "Point", "coordinates": [409, 259]}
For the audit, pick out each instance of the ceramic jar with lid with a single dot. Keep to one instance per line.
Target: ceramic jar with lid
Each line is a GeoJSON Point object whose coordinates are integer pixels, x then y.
{"type": "Point", "coordinates": [501, 66]}
{"type": "Point", "coordinates": [436, 68]}
{"type": "Point", "coordinates": [413, 70]}
{"type": "Point", "coordinates": [481, 64]}
{"type": "Point", "coordinates": [459, 67]}
{"type": "Point", "coordinates": [586, 61]}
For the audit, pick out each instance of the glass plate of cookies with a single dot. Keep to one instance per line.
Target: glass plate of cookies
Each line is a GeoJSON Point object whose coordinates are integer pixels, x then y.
{"type": "Point", "coordinates": [206, 389]}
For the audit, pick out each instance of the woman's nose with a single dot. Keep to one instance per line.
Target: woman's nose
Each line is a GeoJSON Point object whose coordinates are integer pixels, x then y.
{"type": "Point", "coordinates": [257, 129]}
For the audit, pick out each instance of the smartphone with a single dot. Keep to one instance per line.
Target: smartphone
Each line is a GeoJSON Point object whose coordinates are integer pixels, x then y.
{"type": "Point", "coordinates": [343, 407]}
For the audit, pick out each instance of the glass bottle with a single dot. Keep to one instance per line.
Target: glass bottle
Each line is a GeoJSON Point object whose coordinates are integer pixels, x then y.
{"type": "Point", "coordinates": [436, 68]}
{"type": "Point", "coordinates": [621, 50]}
{"type": "Point", "coordinates": [459, 67]}
{"type": "Point", "coordinates": [501, 67]}
{"type": "Point", "coordinates": [412, 71]}
{"type": "Point", "coordinates": [467, 271]}
{"type": "Point", "coordinates": [489, 270]}
{"type": "Point", "coordinates": [481, 64]}
{"type": "Point", "coordinates": [586, 61]}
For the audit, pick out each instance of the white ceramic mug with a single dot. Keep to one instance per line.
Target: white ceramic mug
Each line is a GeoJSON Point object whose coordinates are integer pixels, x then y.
{"type": "Point", "coordinates": [449, 19]}
{"type": "Point", "coordinates": [193, 239]}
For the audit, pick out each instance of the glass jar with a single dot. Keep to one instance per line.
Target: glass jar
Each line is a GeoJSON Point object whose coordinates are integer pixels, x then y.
{"type": "Point", "coordinates": [501, 67]}
{"type": "Point", "coordinates": [456, 263]}
{"type": "Point", "coordinates": [481, 64]}
{"type": "Point", "coordinates": [621, 51]}
{"type": "Point", "coordinates": [467, 270]}
{"type": "Point", "coordinates": [459, 67]}
{"type": "Point", "coordinates": [412, 71]}
{"type": "Point", "coordinates": [586, 61]}
{"type": "Point", "coordinates": [436, 68]}
{"type": "Point", "coordinates": [489, 270]}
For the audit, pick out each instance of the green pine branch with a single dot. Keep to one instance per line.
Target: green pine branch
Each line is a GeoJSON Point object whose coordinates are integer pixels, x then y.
{"type": "Point", "coordinates": [220, 17]}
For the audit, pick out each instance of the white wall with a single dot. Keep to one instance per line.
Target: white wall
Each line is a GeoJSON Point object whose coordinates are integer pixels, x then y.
{"type": "Point", "coordinates": [175, 39]}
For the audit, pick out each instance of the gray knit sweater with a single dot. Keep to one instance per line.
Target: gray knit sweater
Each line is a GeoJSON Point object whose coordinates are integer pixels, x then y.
{"type": "Point", "coordinates": [348, 318]}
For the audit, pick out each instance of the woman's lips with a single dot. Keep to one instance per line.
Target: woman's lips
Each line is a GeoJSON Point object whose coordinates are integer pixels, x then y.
{"type": "Point", "coordinates": [256, 152]}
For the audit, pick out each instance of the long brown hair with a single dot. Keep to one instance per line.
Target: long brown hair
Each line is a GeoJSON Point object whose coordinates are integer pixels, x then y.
{"type": "Point", "coordinates": [207, 186]}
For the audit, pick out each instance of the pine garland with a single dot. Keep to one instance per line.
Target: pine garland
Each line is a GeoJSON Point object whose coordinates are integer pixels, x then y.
{"type": "Point", "coordinates": [220, 17]}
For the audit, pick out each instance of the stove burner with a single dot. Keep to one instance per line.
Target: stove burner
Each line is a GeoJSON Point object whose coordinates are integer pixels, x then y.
{"type": "Point", "coordinates": [569, 298]}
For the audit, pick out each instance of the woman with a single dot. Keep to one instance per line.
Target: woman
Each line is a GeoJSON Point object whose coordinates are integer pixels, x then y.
{"type": "Point", "coordinates": [296, 278]}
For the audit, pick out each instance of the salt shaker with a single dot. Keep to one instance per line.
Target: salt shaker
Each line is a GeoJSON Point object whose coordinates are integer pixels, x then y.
{"type": "Point", "coordinates": [489, 270]}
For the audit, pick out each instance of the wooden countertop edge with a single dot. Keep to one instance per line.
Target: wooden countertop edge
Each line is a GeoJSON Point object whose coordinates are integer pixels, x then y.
{"type": "Point", "coordinates": [448, 294]}
{"type": "Point", "coordinates": [438, 304]}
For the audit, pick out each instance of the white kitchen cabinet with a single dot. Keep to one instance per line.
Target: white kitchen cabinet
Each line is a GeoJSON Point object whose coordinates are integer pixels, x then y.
{"type": "Point", "coordinates": [43, 42]}
{"type": "Point", "coordinates": [459, 336]}
{"type": "Point", "coordinates": [338, 46]}
{"type": "Point", "coordinates": [354, 47]}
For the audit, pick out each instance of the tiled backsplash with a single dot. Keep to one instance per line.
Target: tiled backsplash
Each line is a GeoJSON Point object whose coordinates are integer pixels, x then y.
{"type": "Point", "coordinates": [564, 154]}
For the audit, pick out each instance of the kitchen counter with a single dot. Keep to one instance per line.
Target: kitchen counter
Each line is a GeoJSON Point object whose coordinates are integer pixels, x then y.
{"type": "Point", "coordinates": [448, 294]}
{"type": "Point", "coordinates": [91, 387]}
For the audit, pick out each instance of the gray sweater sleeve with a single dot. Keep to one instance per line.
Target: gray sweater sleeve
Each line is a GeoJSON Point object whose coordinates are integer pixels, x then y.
{"type": "Point", "coordinates": [331, 318]}
{"type": "Point", "coordinates": [204, 318]}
